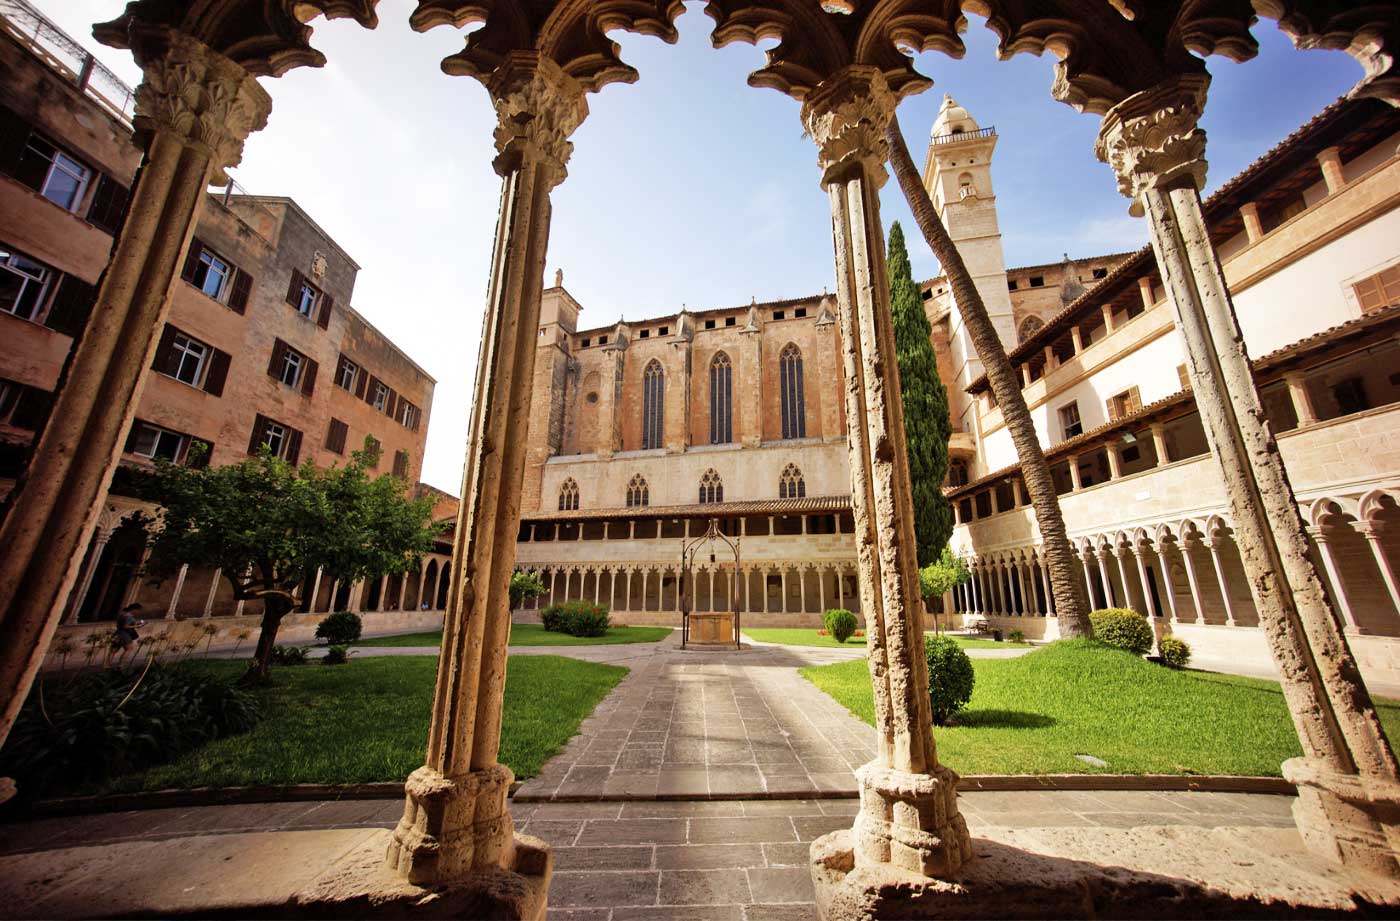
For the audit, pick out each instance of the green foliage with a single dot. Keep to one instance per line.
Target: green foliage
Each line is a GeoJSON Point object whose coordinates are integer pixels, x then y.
{"type": "Point", "coordinates": [289, 655]}
{"type": "Point", "coordinates": [1175, 652]}
{"type": "Point", "coordinates": [950, 677]}
{"type": "Point", "coordinates": [336, 655]}
{"type": "Point", "coordinates": [523, 587]}
{"type": "Point", "coordinates": [576, 618]}
{"type": "Point", "coordinates": [1016, 636]}
{"type": "Point", "coordinates": [102, 724]}
{"type": "Point", "coordinates": [1123, 629]}
{"type": "Point", "coordinates": [927, 424]}
{"type": "Point", "coordinates": [267, 525]}
{"type": "Point", "coordinates": [943, 575]}
{"type": "Point", "coordinates": [840, 623]}
{"type": "Point", "coordinates": [340, 628]}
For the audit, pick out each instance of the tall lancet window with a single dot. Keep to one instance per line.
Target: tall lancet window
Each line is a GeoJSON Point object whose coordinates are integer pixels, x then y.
{"type": "Point", "coordinates": [637, 492]}
{"type": "Point", "coordinates": [653, 400]}
{"type": "Point", "coordinates": [568, 496]}
{"type": "Point", "coordinates": [790, 386]}
{"type": "Point", "coordinates": [711, 487]}
{"type": "Point", "coordinates": [721, 400]}
{"type": "Point", "coordinates": [790, 484]}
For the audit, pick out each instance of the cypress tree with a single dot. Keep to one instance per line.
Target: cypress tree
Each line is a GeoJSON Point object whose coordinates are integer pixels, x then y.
{"type": "Point", "coordinates": [927, 425]}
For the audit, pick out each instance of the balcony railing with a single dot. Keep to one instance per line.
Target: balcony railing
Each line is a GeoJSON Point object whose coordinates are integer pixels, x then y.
{"type": "Point", "coordinates": [66, 56]}
{"type": "Point", "coordinates": [988, 132]}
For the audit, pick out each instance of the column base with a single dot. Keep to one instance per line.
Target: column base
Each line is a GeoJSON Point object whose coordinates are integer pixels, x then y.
{"type": "Point", "coordinates": [453, 827]}
{"type": "Point", "coordinates": [910, 822]}
{"type": "Point", "coordinates": [1348, 818]}
{"type": "Point", "coordinates": [361, 886]}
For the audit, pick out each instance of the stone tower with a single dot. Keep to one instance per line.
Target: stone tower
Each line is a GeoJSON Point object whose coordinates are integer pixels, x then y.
{"type": "Point", "coordinates": [958, 176]}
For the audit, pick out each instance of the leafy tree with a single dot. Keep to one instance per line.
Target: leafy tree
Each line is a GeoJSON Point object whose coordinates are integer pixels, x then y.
{"type": "Point", "coordinates": [946, 573]}
{"type": "Point", "coordinates": [927, 426]}
{"type": "Point", "coordinates": [267, 524]}
{"type": "Point", "coordinates": [1071, 603]}
{"type": "Point", "coordinates": [523, 587]}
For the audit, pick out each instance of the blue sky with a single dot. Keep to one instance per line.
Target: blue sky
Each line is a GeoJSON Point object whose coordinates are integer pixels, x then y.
{"type": "Point", "coordinates": [686, 188]}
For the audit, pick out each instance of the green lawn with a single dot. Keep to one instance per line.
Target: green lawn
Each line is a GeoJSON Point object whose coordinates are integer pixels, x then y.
{"type": "Point", "coordinates": [534, 635]}
{"type": "Point", "coordinates": [796, 636]}
{"type": "Point", "coordinates": [368, 721]}
{"type": "Point", "coordinates": [1033, 714]}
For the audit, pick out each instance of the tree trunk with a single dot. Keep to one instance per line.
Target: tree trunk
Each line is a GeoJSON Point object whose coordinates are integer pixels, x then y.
{"type": "Point", "coordinates": [276, 605]}
{"type": "Point", "coordinates": [1071, 608]}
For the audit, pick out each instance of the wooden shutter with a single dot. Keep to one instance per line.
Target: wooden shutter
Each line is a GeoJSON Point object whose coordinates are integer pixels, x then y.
{"type": "Point", "coordinates": [391, 405]}
{"type": "Point", "coordinates": [361, 382]}
{"type": "Point", "coordinates": [308, 376]}
{"type": "Point", "coordinates": [370, 388]}
{"type": "Point", "coordinates": [72, 303]}
{"type": "Point", "coordinates": [401, 463]}
{"type": "Point", "coordinates": [274, 364]}
{"type": "Point", "coordinates": [294, 288]}
{"type": "Point", "coordinates": [1134, 401]}
{"type": "Point", "coordinates": [259, 431]}
{"type": "Point", "coordinates": [327, 302]}
{"type": "Point", "coordinates": [162, 362]}
{"type": "Point", "coordinates": [192, 260]}
{"type": "Point", "coordinates": [335, 436]}
{"type": "Point", "coordinates": [218, 373]}
{"type": "Point", "coordinates": [242, 287]}
{"type": "Point", "coordinates": [293, 452]}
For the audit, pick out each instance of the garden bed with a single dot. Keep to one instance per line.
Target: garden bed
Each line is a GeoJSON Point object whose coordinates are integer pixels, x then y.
{"type": "Point", "coordinates": [797, 636]}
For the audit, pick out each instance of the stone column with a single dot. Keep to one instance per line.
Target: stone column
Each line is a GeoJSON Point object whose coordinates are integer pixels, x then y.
{"type": "Point", "coordinates": [99, 544]}
{"type": "Point", "coordinates": [1145, 289]}
{"type": "Point", "coordinates": [1107, 311]}
{"type": "Point", "coordinates": [1129, 601]}
{"type": "Point", "coordinates": [1348, 777]}
{"type": "Point", "coordinates": [1108, 596]}
{"type": "Point", "coordinates": [1162, 546]}
{"type": "Point", "coordinates": [999, 581]}
{"type": "Point", "coordinates": [1115, 462]}
{"type": "Point", "coordinates": [908, 820]}
{"type": "Point", "coordinates": [1372, 532]}
{"type": "Point", "coordinates": [1139, 551]}
{"type": "Point", "coordinates": [1302, 400]}
{"type": "Point", "coordinates": [1330, 160]}
{"type": "Point", "coordinates": [1088, 577]}
{"type": "Point", "coordinates": [782, 574]}
{"type": "Point", "coordinates": [821, 589]}
{"type": "Point", "coordinates": [194, 108]}
{"type": "Point", "coordinates": [1339, 589]}
{"type": "Point", "coordinates": [316, 589]}
{"type": "Point", "coordinates": [456, 825]}
{"type": "Point", "coordinates": [660, 601]}
{"type": "Point", "coordinates": [403, 589]}
{"type": "Point", "coordinates": [553, 586]}
{"type": "Point", "coordinates": [175, 594]}
{"type": "Point", "coordinates": [1253, 227]}
{"type": "Point", "coordinates": [1188, 560]}
{"type": "Point", "coordinates": [802, 589]}
{"type": "Point", "coordinates": [1159, 444]}
{"type": "Point", "coordinates": [213, 592]}
{"type": "Point", "coordinates": [1075, 482]}
{"type": "Point", "coordinates": [1213, 545]}
{"type": "Point", "coordinates": [422, 584]}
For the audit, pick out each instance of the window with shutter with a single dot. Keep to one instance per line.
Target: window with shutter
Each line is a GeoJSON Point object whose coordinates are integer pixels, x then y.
{"type": "Point", "coordinates": [242, 289]}
{"type": "Point", "coordinates": [152, 442]}
{"type": "Point", "coordinates": [308, 376]}
{"type": "Point", "coordinates": [24, 283]}
{"type": "Point", "coordinates": [1379, 291]}
{"type": "Point", "coordinates": [345, 373]}
{"type": "Point", "coordinates": [293, 452]}
{"type": "Point", "coordinates": [323, 320]}
{"type": "Point", "coordinates": [260, 423]}
{"type": "Point", "coordinates": [336, 434]}
{"type": "Point", "coordinates": [401, 464]}
{"type": "Point", "coordinates": [31, 410]}
{"type": "Point", "coordinates": [218, 373]}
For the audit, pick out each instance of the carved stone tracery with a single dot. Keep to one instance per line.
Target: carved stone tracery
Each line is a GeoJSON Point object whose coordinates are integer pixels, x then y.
{"type": "Point", "coordinates": [1152, 140]}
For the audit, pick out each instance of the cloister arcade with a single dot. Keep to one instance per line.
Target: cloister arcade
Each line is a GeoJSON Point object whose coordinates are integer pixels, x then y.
{"type": "Point", "coordinates": [1140, 65]}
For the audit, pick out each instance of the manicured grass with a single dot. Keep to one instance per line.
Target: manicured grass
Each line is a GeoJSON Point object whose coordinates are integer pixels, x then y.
{"type": "Point", "coordinates": [796, 636]}
{"type": "Point", "coordinates": [535, 635]}
{"type": "Point", "coordinates": [1033, 714]}
{"type": "Point", "coordinates": [368, 721]}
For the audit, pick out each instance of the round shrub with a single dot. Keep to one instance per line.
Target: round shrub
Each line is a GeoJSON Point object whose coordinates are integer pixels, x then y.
{"type": "Point", "coordinates": [840, 623]}
{"type": "Point", "coordinates": [577, 618]}
{"type": "Point", "coordinates": [1175, 653]}
{"type": "Point", "coordinates": [340, 628]}
{"type": "Point", "coordinates": [1016, 636]}
{"type": "Point", "coordinates": [950, 677]}
{"type": "Point", "coordinates": [336, 655]}
{"type": "Point", "coordinates": [1123, 629]}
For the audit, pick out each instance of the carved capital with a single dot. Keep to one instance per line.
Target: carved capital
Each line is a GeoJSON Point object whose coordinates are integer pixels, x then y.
{"type": "Point", "coordinates": [1151, 139]}
{"type": "Point", "coordinates": [200, 96]}
{"type": "Point", "coordinates": [847, 116]}
{"type": "Point", "coordinates": [537, 107]}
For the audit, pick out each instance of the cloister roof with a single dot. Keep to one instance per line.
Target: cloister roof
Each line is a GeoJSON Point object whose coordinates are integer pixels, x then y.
{"type": "Point", "coordinates": [804, 506]}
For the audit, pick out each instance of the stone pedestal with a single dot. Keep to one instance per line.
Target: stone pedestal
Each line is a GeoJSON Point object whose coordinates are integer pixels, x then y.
{"type": "Point", "coordinates": [711, 629]}
{"type": "Point", "coordinates": [910, 821]}
{"type": "Point", "coordinates": [1351, 818]}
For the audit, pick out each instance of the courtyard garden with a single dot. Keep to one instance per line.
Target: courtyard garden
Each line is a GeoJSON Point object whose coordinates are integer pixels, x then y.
{"type": "Point", "coordinates": [534, 635]}
{"type": "Point", "coordinates": [799, 636]}
{"type": "Point", "coordinates": [1077, 707]}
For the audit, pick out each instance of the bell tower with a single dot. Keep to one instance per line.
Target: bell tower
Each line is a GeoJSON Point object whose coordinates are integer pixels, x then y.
{"type": "Point", "coordinates": [958, 176]}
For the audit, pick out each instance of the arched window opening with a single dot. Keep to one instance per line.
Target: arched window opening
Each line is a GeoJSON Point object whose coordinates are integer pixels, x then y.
{"type": "Point", "coordinates": [721, 416]}
{"type": "Point", "coordinates": [1029, 326]}
{"type": "Point", "coordinates": [568, 496]}
{"type": "Point", "coordinates": [653, 398]}
{"type": "Point", "coordinates": [790, 484]}
{"type": "Point", "coordinates": [711, 488]}
{"type": "Point", "coordinates": [637, 492]}
{"type": "Point", "coordinates": [790, 384]}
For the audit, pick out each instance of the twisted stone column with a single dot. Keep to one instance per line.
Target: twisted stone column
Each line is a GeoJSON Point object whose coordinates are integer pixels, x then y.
{"type": "Point", "coordinates": [1348, 781]}
{"type": "Point", "coordinates": [456, 828]}
{"type": "Point", "coordinates": [194, 109]}
{"type": "Point", "coordinates": [908, 823]}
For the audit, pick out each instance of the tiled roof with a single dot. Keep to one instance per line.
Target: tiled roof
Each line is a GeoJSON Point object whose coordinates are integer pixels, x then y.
{"type": "Point", "coordinates": [1329, 336]}
{"type": "Point", "coordinates": [805, 506]}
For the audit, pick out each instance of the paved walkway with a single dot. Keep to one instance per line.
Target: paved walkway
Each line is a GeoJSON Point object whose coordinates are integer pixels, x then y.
{"type": "Point", "coordinates": [614, 861]}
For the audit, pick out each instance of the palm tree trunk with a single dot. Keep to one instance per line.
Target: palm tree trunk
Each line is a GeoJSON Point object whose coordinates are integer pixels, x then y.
{"type": "Point", "coordinates": [1071, 607]}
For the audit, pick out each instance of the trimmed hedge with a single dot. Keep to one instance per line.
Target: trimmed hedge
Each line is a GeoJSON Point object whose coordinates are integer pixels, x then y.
{"type": "Point", "coordinates": [576, 618]}
{"type": "Point", "coordinates": [1175, 652]}
{"type": "Point", "coordinates": [1122, 628]}
{"type": "Point", "coordinates": [950, 677]}
{"type": "Point", "coordinates": [339, 629]}
{"type": "Point", "coordinates": [840, 623]}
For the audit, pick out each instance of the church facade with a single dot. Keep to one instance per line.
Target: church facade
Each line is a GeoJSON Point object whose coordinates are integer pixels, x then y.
{"type": "Point", "coordinates": [643, 433]}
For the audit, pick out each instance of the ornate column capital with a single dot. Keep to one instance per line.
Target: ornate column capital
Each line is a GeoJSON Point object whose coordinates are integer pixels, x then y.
{"type": "Point", "coordinates": [197, 94]}
{"type": "Point", "coordinates": [847, 115]}
{"type": "Point", "coordinates": [537, 107]}
{"type": "Point", "coordinates": [1151, 139]}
